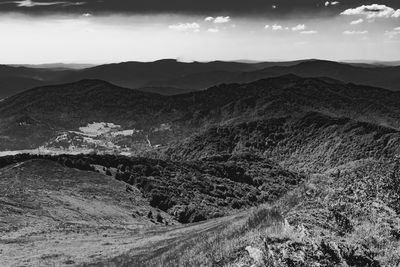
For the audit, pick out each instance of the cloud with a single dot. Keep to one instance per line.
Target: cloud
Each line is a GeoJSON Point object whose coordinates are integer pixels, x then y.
{"type": "Point", "coordinates": [299, 27]}
{"type": "Point", "coordinates": [222, 19]}
{"type": "Point", "coordinates": [355, 32]}
{"type": "Point", "coordinates": [213, 30]}
{"type": "Point", "coordinates": [218, 20]}
{"type": "Point", "coordinates": [333, 3]}
{"type": "Point", "coordinates": [195, 27]}
{"type": "Point", "coordinates": [86, 15]}
{"type": "Point", "coordinates": [277, 27]}
{"type": "Point", "coordinates": [355, 22]}
{"type": "Point", "coordinates": [373, 11]}
{"type": "Point", "coordinates": [393, 34]}
{"type": "Point", "coordinates": [30, 3]}
{"type": "Point", "coordinates": [308, 32]}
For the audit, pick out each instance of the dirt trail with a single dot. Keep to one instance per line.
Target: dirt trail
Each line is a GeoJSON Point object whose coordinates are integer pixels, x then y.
{"type": "Point", "coordinates": [80, 245]}
{"type": "Point", "coordinates": [151, 244]}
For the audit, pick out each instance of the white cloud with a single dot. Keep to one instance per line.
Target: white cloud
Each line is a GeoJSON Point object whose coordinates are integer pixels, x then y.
{"type": "Point", "coordinates": [333, 3]}
{"type": "Point", "coordinates": [394, 33]}
{"type": "Point", "coordinates": [30, 3]}
{"type": "Point", "coordinates": [309, 32]}
{"type": "Point", "coordinates": [195, 27]}
{"type": "Point", "coordinates": [218, 20]}
{"type": "Point", "coordinates": [86, 15]}
{"type": "Point", "coordinates": [222, 19]}
{"type": "Point", "coordinates": [274, 6]}
{"type": "Point", "coordinates": [299, 27]}
{"type": "Point", "coordinates": [358, 21]}
{"type": "Point", "coordinates": [213, 30]}
{"type": "Point", "coordinates": [277, 27]}
{"type": "Point", "coordinates": [372, 11]}
{"type": "Point", "coordinates": [355, 32]}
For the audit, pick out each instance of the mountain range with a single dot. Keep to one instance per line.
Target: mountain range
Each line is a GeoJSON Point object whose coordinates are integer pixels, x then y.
{"type": "Point", "coordinates": [172, 77]}
{"type": "Point", "coordinates": [32, 118]}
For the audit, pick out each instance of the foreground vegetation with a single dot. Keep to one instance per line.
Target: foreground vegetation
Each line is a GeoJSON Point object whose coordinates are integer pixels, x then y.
{"type": "Point", "coordinates": [330, 220]}
{"type": "Point", "coordinates": [345, 216]}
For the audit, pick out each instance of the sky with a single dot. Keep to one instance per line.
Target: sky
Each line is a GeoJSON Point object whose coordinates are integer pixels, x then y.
{"type": "Point", "coordinates": [103, 31]}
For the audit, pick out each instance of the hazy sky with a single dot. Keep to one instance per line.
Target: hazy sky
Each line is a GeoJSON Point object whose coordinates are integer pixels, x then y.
{"type": "Point", "coordinates": [99, 31]}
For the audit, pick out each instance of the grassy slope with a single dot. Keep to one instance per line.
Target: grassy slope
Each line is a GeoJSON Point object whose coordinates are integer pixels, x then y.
{"type": "Point", "coordinates": [53, 214]}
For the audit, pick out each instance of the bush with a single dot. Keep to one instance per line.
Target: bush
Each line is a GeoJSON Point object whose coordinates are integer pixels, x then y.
{"type": "Point", "coordinates": [159, 218]}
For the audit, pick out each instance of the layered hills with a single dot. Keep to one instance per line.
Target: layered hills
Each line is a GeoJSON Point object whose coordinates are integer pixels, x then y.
{"type": "Point", "coordinates": [321, 154]}
{"type": "Point", "coordinates": [169, 76]}
{"type": "Point", "coordinates": [38, 117]}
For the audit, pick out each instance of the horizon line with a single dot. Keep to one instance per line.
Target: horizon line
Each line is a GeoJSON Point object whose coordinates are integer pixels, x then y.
{"type": "Point", "coordinates": [248, 61]}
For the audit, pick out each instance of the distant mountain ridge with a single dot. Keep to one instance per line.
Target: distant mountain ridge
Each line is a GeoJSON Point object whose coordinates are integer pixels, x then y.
{"type": "Point", "coordinates": [169, 73]}
{"type": "Point", "coordinates": [56, 66]}
{"type": "Point", "coordinates": [384, 77]}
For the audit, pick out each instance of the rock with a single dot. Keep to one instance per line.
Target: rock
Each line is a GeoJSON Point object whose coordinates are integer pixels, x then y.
{"type": "Point", "coordinates": [256, 254]}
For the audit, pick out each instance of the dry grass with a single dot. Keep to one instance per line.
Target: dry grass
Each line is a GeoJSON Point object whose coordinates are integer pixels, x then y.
{"type": "Point", "coordinates": [224, 246]}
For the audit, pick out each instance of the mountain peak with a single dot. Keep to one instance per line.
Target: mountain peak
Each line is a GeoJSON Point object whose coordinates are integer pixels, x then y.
{"type": "Point", "coordinates": [167, 61]}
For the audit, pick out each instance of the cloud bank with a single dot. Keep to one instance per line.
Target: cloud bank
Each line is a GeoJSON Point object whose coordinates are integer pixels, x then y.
{"type": "Point", "coordinates": [373, 11]}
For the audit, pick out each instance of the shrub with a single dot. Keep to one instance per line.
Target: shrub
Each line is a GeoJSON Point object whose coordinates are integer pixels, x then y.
{"type": "Point", "coordinates": [159, 218]}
